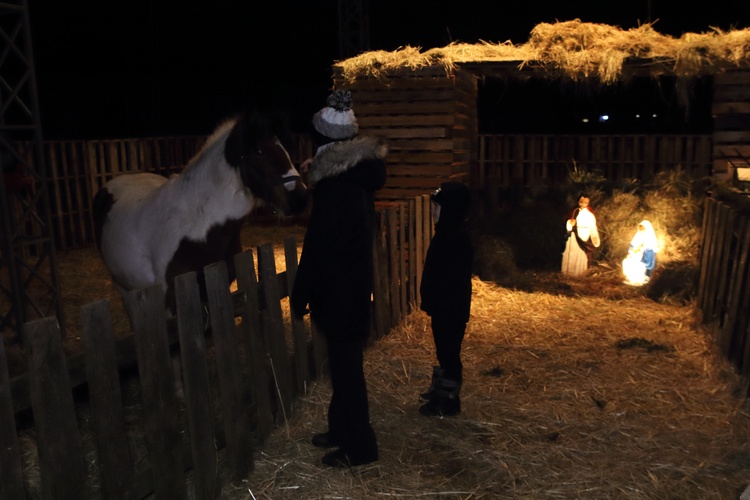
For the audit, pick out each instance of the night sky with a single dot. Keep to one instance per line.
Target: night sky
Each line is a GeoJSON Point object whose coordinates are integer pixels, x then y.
{"type": "Point", "coordinates": [169, 67]}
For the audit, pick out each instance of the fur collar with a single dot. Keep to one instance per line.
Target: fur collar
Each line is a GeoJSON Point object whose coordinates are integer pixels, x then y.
{"type": "Point", "coordinates": [338, 157]}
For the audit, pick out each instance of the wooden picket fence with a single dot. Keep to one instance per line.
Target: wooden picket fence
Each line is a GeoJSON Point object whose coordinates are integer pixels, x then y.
{"type": "Point", "coordinates": [262, 360]}
{"type": "Point", "coordinates": [723, 294]}
{"type": "Point", "coordinates": [76, 169]}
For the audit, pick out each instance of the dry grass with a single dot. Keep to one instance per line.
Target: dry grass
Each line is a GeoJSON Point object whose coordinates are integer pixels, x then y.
{"type": "Point", "coordinates": [565, 396]}
{"type": "Point", "coordinates": [575, 49]}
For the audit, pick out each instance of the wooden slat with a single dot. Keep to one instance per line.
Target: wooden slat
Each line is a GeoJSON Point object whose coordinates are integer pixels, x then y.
{"type": "Point", "coordinates": [160, 417]}
{"type": "Point", "coordinates": [299, 331]}
{"type": "Point", "coordinates": [406, 120]}
{"type": "Point", "coordinates": [255, 351]}
{"type": "Point", "coordinates": [235, 410]}
{"type": "Point", "coordinates": [728, 341]}
{"type": "Point", "coordinates": [409, 95]}
{"type": "Point", "coordinates": [410, 133]}
{"type": "Point", "coordinates": [11, 475]}
{"type": "Point", "coordinates": [198, 399]}
{"type": "Point", "coordinates": [720, 108]}
{"type": "Point", "coordinates": [273, 325]}
{"type": "Point", "coordinates": [402, 265]}
{"type": "Point", "coordinates": [440, 144]}
{"type": "Point", "coordinates": [374, 108]}
{"type": "Point", "coordinates": [379, 270]}
{"type": "Point", "coordinates": [60, 454]}
{"type": "Point", "coordinates": [730, 137]}
{"type": "Point", "coordinates": [394, 265]}
{"type": "Point", "coordinates": [106, 401]}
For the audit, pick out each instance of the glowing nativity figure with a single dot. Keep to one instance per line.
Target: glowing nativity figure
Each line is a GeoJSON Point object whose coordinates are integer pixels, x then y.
{"type": "Point", "coordinates": [583, 238]}
{"type": "Point", "coordinates": [641, 259]}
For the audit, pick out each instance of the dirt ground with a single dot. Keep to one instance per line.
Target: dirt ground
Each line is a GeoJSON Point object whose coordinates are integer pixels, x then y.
{"type": "Point", "coordinates": [574, 388]}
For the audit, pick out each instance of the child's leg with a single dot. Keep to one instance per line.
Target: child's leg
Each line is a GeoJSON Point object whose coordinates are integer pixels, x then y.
{"type": "Point", "coordinates": [448, 335]}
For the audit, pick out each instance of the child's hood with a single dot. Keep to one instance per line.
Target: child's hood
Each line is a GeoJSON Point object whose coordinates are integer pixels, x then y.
{"type": "Point", "coordinates": [454, 200]}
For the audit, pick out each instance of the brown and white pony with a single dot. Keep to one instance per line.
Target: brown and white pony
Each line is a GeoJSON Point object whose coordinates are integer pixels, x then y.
{"type": "Point", "coordinates": [151, 229]}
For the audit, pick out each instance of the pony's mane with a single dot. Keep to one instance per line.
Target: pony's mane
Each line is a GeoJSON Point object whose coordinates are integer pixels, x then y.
{"type": "Point", "coordinates": [214, 141]}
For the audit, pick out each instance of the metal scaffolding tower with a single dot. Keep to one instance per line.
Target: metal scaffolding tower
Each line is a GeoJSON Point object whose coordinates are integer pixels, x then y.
{"type": "Point", "coordinates": [28, 267]}
{"type": "Point", "coordinates": [354, 32]}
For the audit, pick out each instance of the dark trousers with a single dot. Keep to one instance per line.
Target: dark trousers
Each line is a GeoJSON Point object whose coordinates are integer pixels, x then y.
{"type": "Point", "coordinates": [448, 334]}
{"type": "Point", "coordinates": [348, 412]}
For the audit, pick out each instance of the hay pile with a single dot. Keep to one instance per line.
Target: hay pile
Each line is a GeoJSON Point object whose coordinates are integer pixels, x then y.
{"type": "Point", "coordinates": [574, 49]}
{"type": "Point", "coordinates": [564, 397]}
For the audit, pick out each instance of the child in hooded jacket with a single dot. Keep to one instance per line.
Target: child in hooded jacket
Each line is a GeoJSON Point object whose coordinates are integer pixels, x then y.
{"type": "Point", "coordinates": [446, 295]}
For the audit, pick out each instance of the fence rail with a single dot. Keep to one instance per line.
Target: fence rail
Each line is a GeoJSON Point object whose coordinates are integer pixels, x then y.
{"type": "Point", "coordinates": [533, 160]}
{"type": "Point", "coordinates": [266, 346]}
{"type": "Point", "coordinates": [76, 169]}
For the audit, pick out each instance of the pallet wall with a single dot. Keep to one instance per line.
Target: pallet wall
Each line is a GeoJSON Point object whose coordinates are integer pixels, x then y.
{"type": "Point", "coordinates": [427, 117]}
{"type": "Point", "coordinates": [731, 110]}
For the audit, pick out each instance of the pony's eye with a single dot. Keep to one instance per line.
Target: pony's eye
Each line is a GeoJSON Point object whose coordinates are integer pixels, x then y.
{"type": "Point", "coordinates": [259, 152]}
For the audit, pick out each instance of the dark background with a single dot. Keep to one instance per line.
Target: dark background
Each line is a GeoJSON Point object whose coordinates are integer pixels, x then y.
{"type": "Point", "coordinates": [169, 67]}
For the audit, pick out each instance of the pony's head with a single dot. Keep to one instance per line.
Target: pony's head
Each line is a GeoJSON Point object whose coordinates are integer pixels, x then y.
{"type": "Point", "coordinates": [255, 150]}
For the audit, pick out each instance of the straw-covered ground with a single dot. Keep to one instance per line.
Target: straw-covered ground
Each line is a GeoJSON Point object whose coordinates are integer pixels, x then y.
{"type": "Point", "coordinates": [565, 396]}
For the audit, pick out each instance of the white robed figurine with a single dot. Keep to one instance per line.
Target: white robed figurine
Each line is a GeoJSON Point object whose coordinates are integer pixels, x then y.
{"type": "Point", "coordinates": [583, 238]}
{"type": "Point", "coordinates": [641, 259]}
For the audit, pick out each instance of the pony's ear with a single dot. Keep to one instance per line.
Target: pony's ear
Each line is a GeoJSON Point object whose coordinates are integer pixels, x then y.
{"type": "Point", "coordinates": [233, 148]}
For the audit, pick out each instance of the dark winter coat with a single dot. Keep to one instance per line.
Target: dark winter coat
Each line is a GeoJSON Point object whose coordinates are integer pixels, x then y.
{"type": "Point", "coordinates": [335, 272]}
{"type": "Point", "coordinates": [446, 278]}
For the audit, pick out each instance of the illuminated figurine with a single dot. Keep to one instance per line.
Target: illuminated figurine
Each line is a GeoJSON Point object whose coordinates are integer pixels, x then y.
{"type": "Point", "coordinates": [641, 259]}
{"type": "Point", "coordinates": [583, 238]}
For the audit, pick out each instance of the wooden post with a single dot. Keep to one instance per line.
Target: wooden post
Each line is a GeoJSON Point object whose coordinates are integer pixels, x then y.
{"type": "Point", "coordinates": [160, 417]}
{"type": "Point", "coordinates": [198, 398]}
{"type": "Point", "coordinates": [106, 401]}
{"type": "Point", "coordinates": [236, 413]}
{"type": "Point", "coordinates": [257, 356]}
{"type": "Point", "coordinates": [11, 475]}
{"type": "Point", "coordinates": [60, 454]}
{"type": "Point", "coordinates": [273, 325]}
{"type": "Point", "coordinates": [299, 332]}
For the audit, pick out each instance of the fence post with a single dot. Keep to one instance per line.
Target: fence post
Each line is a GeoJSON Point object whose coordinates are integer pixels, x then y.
{"type": "Point", "coordinates": [273, 326]}
{"type": "Point", "coordinates": [256, 351]}
{"type": "Point", "coordinates": [198, 398]}
{"type": "Point", "coordinates": [160, 417]}
{"type": "Point", "coordinates": [299, 332]}
{"type": "Point", "coordinates": [60, 454]}
{"type": "Point", "coordinates": [11, 475]}
{"type": "Point", "coordinates": [236, 414]}
{"type": "Point", "coordinates": [106, 401]}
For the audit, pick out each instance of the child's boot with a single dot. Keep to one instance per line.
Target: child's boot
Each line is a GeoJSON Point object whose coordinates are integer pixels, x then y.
{"type": "Point", "coordinates": [446, 400]}
{"type": "Point", "coordinates": [437, 374]}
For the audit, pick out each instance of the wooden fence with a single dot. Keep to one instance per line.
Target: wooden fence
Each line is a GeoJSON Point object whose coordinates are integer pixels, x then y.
{"type": "Point", "coordinates": [533, 160]}
{"type": "Point", "coordinates": [260, 362]}
{"type": "Point", "coordinates": [76, 169]}
{"type": "Point", "coordinates": [723, 294]}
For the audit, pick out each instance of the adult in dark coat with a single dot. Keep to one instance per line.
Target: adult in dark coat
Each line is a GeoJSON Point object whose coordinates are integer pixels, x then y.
{"type": "Point", "coordinates": [335, 273]}
{"type": "Point", "coordinates": [446, 295]}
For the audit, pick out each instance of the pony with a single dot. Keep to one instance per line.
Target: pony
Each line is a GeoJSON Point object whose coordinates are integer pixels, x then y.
{"type": "Point", "coordinates": [150, 229]}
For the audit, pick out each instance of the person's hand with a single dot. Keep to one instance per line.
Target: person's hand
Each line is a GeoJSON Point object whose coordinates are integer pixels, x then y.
{"type": "Point", "coordinates": [572, 222]}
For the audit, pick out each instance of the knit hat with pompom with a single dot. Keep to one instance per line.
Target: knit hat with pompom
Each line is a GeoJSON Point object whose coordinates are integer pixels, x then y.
{"type": "Point", "coordinates": [337, 121]}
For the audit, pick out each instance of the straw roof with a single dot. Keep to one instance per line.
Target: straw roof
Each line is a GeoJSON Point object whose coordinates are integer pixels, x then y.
{"type": "Point", "coordinates": [573, 49]}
